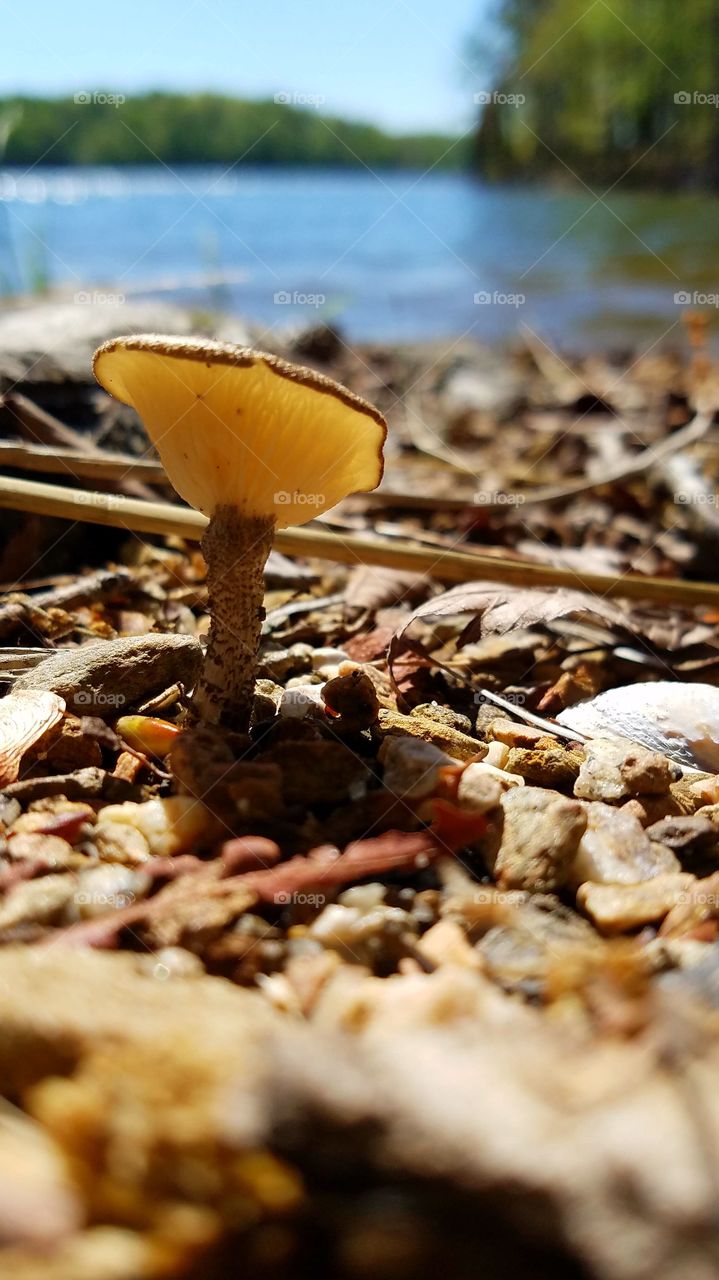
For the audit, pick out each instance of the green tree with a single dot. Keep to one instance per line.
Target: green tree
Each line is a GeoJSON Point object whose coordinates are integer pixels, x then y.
{"type": "Point", "coordinates": [600, 83]}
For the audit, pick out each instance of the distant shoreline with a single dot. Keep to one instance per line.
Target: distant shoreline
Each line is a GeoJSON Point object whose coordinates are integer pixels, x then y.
{"type": "Point", "coordinates": [102, 127]}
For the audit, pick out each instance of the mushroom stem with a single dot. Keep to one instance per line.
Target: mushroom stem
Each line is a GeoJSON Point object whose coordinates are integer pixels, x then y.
{"type": "Point", "coordinates": [235, 547]}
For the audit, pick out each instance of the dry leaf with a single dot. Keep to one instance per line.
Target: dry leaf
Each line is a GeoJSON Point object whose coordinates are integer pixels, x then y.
{"type": "Point", "coordinates": [373, 587]}
{"type": "Point", "coordinates": [498, 610]}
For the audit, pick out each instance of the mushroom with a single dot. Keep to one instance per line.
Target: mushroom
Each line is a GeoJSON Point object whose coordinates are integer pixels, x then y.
{"type": "Point", "coordinates": [255, 443]}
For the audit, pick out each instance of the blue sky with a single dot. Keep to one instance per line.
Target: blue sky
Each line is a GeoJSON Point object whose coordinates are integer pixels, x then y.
{"type": "Point", "coordinates": [401, 63]}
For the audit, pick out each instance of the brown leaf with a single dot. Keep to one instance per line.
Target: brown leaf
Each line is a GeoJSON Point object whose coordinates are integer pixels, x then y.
{"type": "Point", "coordinates": [374, 587]}
{"type": "Point", "coordinates": [499, 609]}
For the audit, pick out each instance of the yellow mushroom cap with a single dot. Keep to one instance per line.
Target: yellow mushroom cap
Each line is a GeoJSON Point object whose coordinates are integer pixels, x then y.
{"type": "Point", "coordinates": [245, 428]}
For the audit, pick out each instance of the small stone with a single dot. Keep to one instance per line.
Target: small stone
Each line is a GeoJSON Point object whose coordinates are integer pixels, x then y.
{"type": "Point", "coordinates": [516, 735]}
{"type": "Point", "coordinates": [106, 888]}
{"type": "Point", "coordinates": [327, 657]}
{"type": "Point", "coordinates": [695, 909]}
{"type": "Point", "coordinates": [411, 767]}
{"type": "Point", "coordinates": [365, 931]}
{"type": "Point", "coordinates": [479, 790]}
{"type": "Point", "coordinates": [479, 780]}
{"type": "Point", "coordinates": [104, 678]}
{"type": "Point", "coordinates": [445, 943]}
{"type": "Point", "coordinates": [553, 766]}
{"type": "Point", "coordinates": [301, 701]}
{"type": "Point", "coordinates": [281, 663]}
{"type": "Point", "coordinates": [176, 824]}
{"type": "Point", "coordinates": [615, 908]}
{"type": "Point", "coordinates": [706, 789]}
{"type": "Point", "coordinates": [539, 839]}
{"type": "Point", "coordinates": [48, 851]}
{"type": "Point", "coordinates": [457, 744]}
{"type": "Point", "coordinates": [614, 770]}
{"type": "Point", "coordinates": [685, 835]}
{"type": "Point", "coordinates": [615, 849]}
{"type": "Point", "coordinates": [443, 715]}
{"type": "Point", "coordinates": [36, 902]}
{"type": "Point", "coordinates": [352, 700]}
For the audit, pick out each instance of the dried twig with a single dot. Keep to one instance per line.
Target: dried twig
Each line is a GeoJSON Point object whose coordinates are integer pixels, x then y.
{"type": "Point", "coordinates": [350, 548]}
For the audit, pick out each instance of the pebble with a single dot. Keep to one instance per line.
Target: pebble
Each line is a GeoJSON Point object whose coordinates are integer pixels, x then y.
{"type": "Point", "coordinates": [616, 770]}
{"type": "Point", "coordinates": [516, 735]}
{"type": "Point", "coordinates": [327, 657]}
{"type": "Point", "coordinates": [446, 943]}
{"type": "Point", "coordinates": [547, 766]}
{"type": "Point", "coordinates": [175, 824]}
{"type": "Point", "coordinates": [539, 839]}
{"type": "Point", "coordinates": [615, 908]}
{"type": "Point", "coordinates": [300, 701]}
{"type": "Point", "coordinates": [615, 849]}
{"type": "Point", "coordinates": [480, 780]}
{"type": "Point", "coordinates": [107, 677]}
{"type": "Point", "coordinates": [479, 790]}
{"type": "Point", "coordinates": [411, 767]}
{"type": "Point", "coordinates": [443, 715]}
{"type": "Point", "coordinates": [685, 835]}
{"type": "Point", "coordinates": [278, 664]}
{"type": "Point", "coordinates": [457, 744]}
{"type": "Point", "coordinates": [361, 931]}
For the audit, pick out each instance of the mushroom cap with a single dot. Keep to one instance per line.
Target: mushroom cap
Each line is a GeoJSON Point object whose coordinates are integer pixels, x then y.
{"type": "Point", "coordinates": [245, 428]}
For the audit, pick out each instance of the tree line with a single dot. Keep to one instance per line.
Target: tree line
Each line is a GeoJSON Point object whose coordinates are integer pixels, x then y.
{"type": "Point", "coordinates": [603, 91]}
{"type": "Point", "coordinates": [103, 127]}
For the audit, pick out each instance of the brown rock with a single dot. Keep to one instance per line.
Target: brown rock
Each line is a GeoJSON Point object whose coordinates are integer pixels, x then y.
{"type": "Point", "coordinates": [518, 735]}
{"type": "Point", "coordinates": [615, 849]}
{"type": "Point", "coordinates": [546, 766]}
{"type": "Point", "coordinates": [685, 835]}
{"type": "Point", "coordinates": [457, 744]}
{"type": "Point", "coordinates": [540, 835]}
{"type": "Point", "coordinates": [105, 678]}
{"type": "Point", "coordinates": [353, 699]}
{"type": "Point", "coordinates": [614, 770]}
{"type": "Point", "coordinates": [614, 908]}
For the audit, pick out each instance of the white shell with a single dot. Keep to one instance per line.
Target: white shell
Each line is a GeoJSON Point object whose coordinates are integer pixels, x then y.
{"type": "Point", "coordinates": [680, 720]}
{"type": "Point", "coordinates": [25, 718]}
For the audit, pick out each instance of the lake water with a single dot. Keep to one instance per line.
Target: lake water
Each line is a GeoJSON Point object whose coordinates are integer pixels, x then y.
{"type": "Point", "coordinates": [388, 256]}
